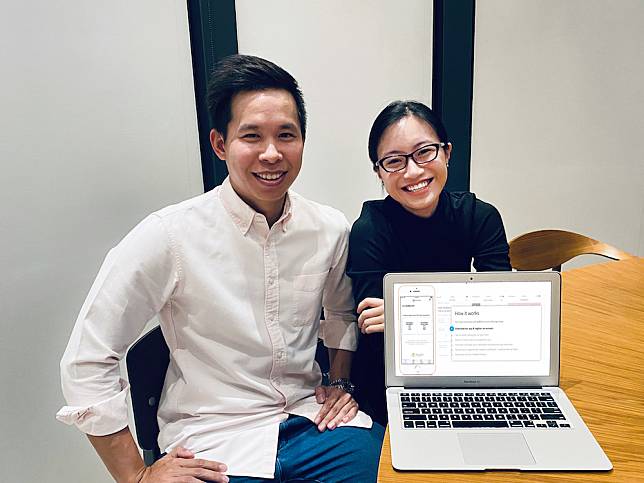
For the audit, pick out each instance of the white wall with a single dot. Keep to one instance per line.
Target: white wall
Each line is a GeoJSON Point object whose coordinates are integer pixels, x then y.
{"type": "Point", "coordinates": [97, 129]}
{"type": "Point", "coordinates": [351, 59]}
{"type": "Point", "coordinates": [557, 131]}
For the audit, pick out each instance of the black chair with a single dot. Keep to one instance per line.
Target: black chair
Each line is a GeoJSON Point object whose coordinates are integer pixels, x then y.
{"type": "Point", "coordinates": [147, 363]}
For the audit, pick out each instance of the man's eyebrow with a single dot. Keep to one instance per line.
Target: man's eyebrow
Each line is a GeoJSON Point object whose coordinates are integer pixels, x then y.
{"type": "Point", "coordinates": [254, 127]}
{"type": "Point", "coordinates": [248, 127]}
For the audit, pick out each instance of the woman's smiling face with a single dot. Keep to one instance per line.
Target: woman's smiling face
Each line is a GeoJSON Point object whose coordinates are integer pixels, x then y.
{"type": "Point", "coordinates": [417, 187]}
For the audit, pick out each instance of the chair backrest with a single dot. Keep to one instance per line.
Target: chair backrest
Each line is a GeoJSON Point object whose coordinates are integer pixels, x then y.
{"type": "Point", "coordinates": [147, 362]}
{"type": "Point", "coordinates": [545, 249]}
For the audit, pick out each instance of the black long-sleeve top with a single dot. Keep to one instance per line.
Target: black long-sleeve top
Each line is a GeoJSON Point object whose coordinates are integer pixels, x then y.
{"type": "Point", "coordinates": [387, 238]}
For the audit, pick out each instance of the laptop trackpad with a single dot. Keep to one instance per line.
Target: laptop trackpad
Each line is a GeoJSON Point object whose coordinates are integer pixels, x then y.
{"type": "Point", "coordinates": [491, 450]}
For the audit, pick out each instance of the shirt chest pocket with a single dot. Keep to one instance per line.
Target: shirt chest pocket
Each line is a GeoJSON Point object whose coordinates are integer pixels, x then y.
{"type": "Point", "coordinates": [308, 298]}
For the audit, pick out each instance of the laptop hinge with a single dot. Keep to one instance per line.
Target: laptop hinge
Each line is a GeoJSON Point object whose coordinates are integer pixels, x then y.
{"type": "Point", "coordinates": [461, 388]}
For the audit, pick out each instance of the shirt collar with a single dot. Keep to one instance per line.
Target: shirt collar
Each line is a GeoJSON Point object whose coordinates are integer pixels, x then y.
{"type": "Point", "coordinates": [242, 214]}
{"type": "Point", "coordinates": [287, 212]}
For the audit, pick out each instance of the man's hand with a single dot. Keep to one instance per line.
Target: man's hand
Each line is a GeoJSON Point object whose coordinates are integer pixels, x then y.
{"type": "Point", "coordinates": [372, 315]}
{"type": "Point", "coordinates": [338, 407]}
{"type": "Point", "coordinates": [180, 466]}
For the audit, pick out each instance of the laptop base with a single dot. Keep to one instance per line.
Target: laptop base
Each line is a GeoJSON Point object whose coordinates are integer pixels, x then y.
{"type": "Point", "coordinates": [524, 449]}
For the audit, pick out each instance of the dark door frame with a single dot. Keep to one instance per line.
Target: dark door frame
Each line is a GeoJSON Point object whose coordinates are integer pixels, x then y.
{"type": "Point", "coordinates": [453, 81]}
{"type": "Point", "coordinates": [213, 35]}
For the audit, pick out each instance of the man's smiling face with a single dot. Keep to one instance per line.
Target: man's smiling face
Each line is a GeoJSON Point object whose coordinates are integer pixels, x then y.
{"type": "Point", "coordinates": [263, 148]}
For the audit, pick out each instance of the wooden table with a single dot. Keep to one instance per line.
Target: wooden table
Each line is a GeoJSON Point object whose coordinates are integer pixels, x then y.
{"type": "Point", "coordinates": [602, 360]}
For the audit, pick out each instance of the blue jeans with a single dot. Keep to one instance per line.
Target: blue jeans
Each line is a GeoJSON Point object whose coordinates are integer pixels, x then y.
{"type": "Point", "coordinates": [306, 455]}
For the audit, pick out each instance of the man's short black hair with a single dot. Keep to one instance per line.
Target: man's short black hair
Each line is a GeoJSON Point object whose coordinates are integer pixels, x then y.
{"type": "Point", "coordinates": [244, 73]}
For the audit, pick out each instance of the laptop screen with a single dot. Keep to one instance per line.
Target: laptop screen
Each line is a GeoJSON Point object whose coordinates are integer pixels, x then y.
{"type": "Point", "coordinates": [472, 328]}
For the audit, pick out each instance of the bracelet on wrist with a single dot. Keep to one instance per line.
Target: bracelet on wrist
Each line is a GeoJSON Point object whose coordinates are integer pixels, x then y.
{"type": "Point", "coordinates": [345, 384]}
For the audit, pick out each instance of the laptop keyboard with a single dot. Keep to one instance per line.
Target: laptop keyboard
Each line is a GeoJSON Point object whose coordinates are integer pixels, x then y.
{"type": "Point", "coordinates": [444, 410]}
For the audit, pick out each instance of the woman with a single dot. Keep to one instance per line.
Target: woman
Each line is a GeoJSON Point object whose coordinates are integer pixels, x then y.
{"type": "Point", "coordinates": [419, 227]}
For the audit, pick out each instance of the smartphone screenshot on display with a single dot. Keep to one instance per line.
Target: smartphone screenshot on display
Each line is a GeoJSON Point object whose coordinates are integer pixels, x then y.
{"type": "Point", "coordinates": [417, 329]}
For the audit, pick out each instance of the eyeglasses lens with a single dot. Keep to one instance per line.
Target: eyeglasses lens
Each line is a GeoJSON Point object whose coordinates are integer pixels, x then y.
{"type": "Point", "coordinates": [394, 163]}
{"type": "Point", "coordinates": [426, 154]}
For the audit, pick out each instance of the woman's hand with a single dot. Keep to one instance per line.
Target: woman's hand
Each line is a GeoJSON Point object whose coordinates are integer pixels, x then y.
{"type": "Point", "coordinates": [372, 315]}
{"type": "Point", "coordinates": [180, 465]}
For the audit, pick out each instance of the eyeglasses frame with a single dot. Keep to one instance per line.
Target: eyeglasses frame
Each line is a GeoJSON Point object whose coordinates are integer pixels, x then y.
{"type": "Point", "coordinates": [378, 164]}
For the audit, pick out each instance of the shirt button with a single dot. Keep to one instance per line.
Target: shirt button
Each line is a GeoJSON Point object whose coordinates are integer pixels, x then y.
{"type": "Point", "coordinates": [271, 280]}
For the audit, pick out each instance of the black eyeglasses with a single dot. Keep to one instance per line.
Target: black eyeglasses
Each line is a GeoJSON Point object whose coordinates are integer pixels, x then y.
{"type": "Point", "coordinates": [398, 162]}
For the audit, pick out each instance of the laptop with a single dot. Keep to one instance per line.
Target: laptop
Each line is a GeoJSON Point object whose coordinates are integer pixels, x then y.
{"type": "Point", "coordinates": [472, 375]}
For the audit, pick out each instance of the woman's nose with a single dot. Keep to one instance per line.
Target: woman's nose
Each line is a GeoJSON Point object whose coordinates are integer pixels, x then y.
{"type": "Point", "coordinates": [412, 170]}
{"type": "Point", "coordinates": [270, 154]}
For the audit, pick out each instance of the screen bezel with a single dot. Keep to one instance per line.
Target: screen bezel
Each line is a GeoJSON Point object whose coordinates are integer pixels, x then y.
{"type": "Point", "coordinates": [552, 379]}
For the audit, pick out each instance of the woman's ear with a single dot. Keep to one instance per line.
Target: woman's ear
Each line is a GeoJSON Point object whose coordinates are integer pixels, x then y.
{"type": "Point", "coordinates": [218, 144]}
{"type": "Point", "coordinates": [382, 183]}
{"type": "Point", "coordinates": [377, 171]}
{"type": "Point", "coordinates": [448, 153]}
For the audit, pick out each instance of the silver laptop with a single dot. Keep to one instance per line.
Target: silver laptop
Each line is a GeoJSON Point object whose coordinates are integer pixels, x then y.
{"type": "Point", "coordinates": [472, 374]}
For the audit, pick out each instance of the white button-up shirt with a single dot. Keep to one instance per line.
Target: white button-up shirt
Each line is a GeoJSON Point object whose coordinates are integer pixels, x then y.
{"type": "Point", "coordinates": [239, 305]}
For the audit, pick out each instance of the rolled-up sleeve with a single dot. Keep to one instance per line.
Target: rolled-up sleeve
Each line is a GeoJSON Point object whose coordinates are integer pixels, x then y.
{"type": "Point", "coordinates": [137, 278]}
{"type": "Point", "coordinates": [340, 326]}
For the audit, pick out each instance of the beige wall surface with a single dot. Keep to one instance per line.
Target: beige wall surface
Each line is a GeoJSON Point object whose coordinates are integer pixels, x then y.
{"type": "Point", "coordinates": [97, 129]}
{"type": "Point", "coordinates": [558, 136]}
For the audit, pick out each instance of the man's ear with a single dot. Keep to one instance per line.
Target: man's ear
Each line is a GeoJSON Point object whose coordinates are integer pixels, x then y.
{"type": "Point", "coordinates": [218, 144]}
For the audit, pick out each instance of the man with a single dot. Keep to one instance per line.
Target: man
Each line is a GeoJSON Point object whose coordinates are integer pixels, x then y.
{"type": "Point", "coordinates": [237, 276]}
